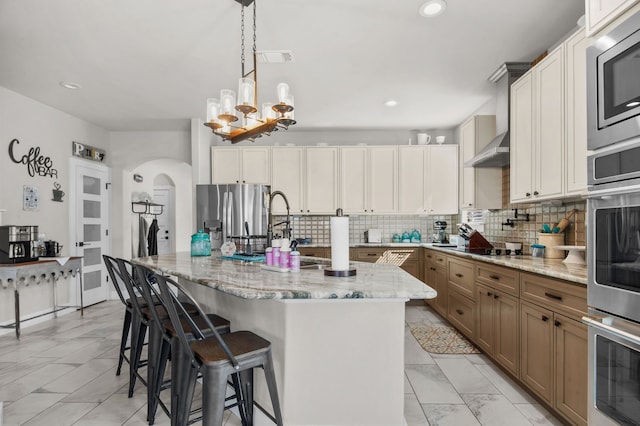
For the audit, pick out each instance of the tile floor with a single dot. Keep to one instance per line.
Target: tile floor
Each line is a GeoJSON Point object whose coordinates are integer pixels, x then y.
{"type": "Point", "coordinates": [62, 372]}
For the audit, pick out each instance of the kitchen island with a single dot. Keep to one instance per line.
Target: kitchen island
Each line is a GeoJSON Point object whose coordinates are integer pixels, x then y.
{"type": "Point", "coordinates": [338, 343]}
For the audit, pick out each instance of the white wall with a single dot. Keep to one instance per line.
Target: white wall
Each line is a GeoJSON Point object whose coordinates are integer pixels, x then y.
{"type": "Point", "coordinates": [38, 125]}
{"type": "Point", "coordinates": [150, 154]}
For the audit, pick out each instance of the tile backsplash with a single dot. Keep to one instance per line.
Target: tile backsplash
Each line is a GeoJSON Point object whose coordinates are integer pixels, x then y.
{"type": "Point", "coordinates": [318, 229]}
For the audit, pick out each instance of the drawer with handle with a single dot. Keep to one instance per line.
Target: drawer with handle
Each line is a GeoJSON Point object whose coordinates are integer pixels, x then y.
{"type": "Point", "coordinates": [498, 277]}
{"type": "Point", "coordinates": [435, 258]}
{"type": "Point", "coordinates": [560, 296]}
{"type": "Point", "coordinates": [461, 276]}
{"type": "Point", "coordinates": [461, 313]}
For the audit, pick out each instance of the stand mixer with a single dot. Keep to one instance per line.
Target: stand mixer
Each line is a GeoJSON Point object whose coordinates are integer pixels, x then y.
{"type": "Point", "coordinates": [440, 232]}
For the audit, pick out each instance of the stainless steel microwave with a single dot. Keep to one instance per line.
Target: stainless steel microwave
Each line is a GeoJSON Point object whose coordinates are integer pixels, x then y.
{"type": "Point", "coordinates": [613, 85]}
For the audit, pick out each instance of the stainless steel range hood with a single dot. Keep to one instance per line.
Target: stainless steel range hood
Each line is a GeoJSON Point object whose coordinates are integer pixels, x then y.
{"type": "Point", "coordinates": [496, 152]}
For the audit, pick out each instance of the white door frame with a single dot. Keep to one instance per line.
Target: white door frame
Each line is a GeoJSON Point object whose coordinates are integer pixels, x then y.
{"type": "Point", "coordinates": [74, 163]}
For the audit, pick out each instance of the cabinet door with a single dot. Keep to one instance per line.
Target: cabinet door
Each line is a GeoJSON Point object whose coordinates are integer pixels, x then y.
{"type": "Point", "coordinates": [485, 314]}
{"type": "Point", "coordinates": [321, 180]}
{"type": "Point", "coordinates": [383, 172]}
{"type": "Point", "coordinates": [353, 179]}
{"type": "Point", "coordinates": [255, 165]}
{"type": "Point", "coordinates": [576, 106]}
{"type": "Point", "coordinates": [286, 176]}
{"type": "Point", "coordinates": [571, 369]}
{"type": "Point", "coordinates": [411, 179]}
{"type": "Point", "coordinates": [225, 165]}
{"type": "Point", "coordinates": [442, 300]}
{"type": "Point", "coordinates": [507, 343]}
{"type": "Point", "coordinates": [442, 179]}
{"type": "Point", "coordinates": [467, 174]}
{"type": "Point", "coordinates": [521, 133]}
{"type": "Point", "coordinates": [536, 350]}
{"type": "Point", "coordinates": [549, 140]}
{"type": "Point", "coordinates": [600, 13]}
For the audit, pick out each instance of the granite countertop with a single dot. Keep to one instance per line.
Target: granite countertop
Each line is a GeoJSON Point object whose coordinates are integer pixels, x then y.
{"type": "Point", "coordinates": [249, 281]}
{"type": "Point", "coordinates": [553, 268]}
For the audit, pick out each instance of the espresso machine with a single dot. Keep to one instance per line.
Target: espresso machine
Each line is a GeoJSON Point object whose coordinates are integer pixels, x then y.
{"type": "Point", "coordinates": [18, 244]}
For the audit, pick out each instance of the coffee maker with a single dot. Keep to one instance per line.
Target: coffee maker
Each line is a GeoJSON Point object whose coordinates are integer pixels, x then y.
{"type": "Point", "coordinates": [18, 244]}
{"type": "Point", "coordinates": [440, 232]}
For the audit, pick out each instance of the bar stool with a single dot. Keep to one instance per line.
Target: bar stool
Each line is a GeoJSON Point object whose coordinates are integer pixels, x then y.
{"type": "Point", "coordinates": [218, 357]}
{"type": "Point", "coordinates": [160, 336]}
{"type": "Point", "coordinates": [117, 279]}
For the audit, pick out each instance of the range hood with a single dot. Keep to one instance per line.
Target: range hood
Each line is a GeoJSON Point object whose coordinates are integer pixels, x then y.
{"type": "Point", "coordinates": [496, 152]}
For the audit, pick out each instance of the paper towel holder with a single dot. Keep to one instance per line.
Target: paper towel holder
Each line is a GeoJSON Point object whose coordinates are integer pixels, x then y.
{"type": "Point", "coordinates": [335, 273]}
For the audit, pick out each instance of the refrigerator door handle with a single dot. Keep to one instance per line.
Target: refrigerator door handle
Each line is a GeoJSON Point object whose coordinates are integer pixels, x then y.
{"type": "Point", "coordinates": [230, 213]}
{"type": "Point", "coordinates": [223, 227]}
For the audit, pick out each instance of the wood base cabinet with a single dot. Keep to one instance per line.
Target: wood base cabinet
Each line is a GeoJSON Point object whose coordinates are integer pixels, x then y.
{"type": "Point", "coordinates": [497, 330]}
{"type": "Point", "coordinates": [461, 313]}
{"type": "Point", "coordinates": [435, 274]}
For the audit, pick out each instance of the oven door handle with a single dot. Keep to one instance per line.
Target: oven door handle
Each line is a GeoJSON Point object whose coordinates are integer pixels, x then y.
{"type": "Point", "coordinates": [603, 193]}
{"type": "Point", "coordinates": [596, 322]}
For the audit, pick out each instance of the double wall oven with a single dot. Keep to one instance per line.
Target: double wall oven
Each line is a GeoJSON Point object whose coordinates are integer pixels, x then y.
{"type": "Point", "coordinates": [613, 220]}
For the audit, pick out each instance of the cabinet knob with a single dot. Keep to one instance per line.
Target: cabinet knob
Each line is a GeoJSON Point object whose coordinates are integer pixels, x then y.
{"type": "Point", "coordinates": [528, 194]}
{"type": "Point", "coordinates": [545, 318]}
{"type": "Point", "coordinates": [536, 193]}
{"type": "Point", "coordinates": [489, 294]}
{"type": "Point", "coordinates": [459, 312]}
{"type": "Point", "coordinates": [557, 323]}
{"type": "Point", "coordinates": [470, 204]}
{"type": "Point", "coordinates": [459, 275]}
{"type": "Point", "coordinates": [495, 296]}
{"type": "Point", "coordinates": [432, 268]}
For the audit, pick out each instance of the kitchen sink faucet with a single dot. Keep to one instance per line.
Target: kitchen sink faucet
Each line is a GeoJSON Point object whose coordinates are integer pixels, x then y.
{"type": "Point", "coordinates": [287, 230]}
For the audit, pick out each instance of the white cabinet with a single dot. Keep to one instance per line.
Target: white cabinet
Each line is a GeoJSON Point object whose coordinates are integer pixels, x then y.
{"type": "Point", "coordinates": [441, 177]}
{"type": "Point", "coordinates": [354, 178]}
{"type": "Point", "coordinates": [538, 132]}
{"type": "Point", "coordinates": [287, 175]}
{"type": "Point", "coordinates": [382, 192]}
{"type": "Point", "coordinates": [428, 179]}
{"type": "Point", "coordinates": [576, 114]}
{"type": "Point", "coordinates": [240, 165]}
{"type": "Point", "coordinates": [321, 180]}
{"type": "Point", "coordinates": [480, 188]}
{"type": "Point", "coordinates": [599, 13]}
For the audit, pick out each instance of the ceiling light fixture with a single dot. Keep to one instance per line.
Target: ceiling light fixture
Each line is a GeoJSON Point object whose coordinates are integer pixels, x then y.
{"type": "Point", "coordinates": [221, 113]}
{"type": "Point", "coordinates": [432, 8]}
{"type": "Point", "coordinates": [70, 85]}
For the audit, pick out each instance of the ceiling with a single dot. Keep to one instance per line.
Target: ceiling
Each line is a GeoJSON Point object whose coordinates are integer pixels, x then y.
{"type": "Point", "coordinates": [151, 64]}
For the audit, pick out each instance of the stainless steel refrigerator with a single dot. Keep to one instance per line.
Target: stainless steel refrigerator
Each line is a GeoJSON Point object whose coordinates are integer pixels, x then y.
{"type": "Point", "coordinates": [234, 212]}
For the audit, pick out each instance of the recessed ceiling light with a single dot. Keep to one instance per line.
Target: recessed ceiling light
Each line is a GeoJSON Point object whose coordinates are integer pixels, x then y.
{"type": "Point", "coordinates": [70, 85]}
{"type": "Point", "coordinates": [432, 8]}
{"type": "Point", "coordinates": [391, 103]}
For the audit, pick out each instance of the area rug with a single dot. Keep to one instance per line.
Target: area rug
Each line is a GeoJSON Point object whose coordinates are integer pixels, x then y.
{"type": "Point", "coordinates": [443, 340]}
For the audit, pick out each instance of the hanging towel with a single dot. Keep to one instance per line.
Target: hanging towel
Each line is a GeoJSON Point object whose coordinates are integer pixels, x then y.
{"type": "Point", "coordinates": [143, 231]}
{"type": "Point", "coordinates": [152, 238]}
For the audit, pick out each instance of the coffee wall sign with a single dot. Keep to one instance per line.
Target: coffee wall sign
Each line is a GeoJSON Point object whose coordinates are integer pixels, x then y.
{"type": "Point", "coordinates": [88, 152]}
{"type": "Point", "coordinates": [37, 164]}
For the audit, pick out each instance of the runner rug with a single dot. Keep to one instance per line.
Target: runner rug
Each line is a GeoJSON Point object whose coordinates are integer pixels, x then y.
{"type": "Point", "coordinates": [443, 340]}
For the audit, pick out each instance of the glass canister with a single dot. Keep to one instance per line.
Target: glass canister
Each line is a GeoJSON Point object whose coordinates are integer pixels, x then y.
{"type": "Point", "coordinates": [200, 244]}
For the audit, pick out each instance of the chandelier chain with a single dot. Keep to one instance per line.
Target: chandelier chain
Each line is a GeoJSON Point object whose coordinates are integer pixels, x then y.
{"type": "Point", "coordinates": [254, 27]}
{"type": "Point", "coordinates": [242, 37]}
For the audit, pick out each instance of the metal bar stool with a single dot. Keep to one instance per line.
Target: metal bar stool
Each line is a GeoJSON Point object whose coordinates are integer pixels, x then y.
{"type": "Point", "coordinates": [219, 356]}
{"type": "Point", "coordinates": [160, 336]}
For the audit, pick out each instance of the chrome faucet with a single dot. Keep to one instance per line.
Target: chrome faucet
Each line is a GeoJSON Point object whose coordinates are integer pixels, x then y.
{"type": "Point", "coordinates": [287, 230]}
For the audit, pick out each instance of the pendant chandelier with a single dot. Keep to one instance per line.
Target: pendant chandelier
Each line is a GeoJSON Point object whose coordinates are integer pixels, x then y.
{"type": "Point", "coordinates": [239, 120]}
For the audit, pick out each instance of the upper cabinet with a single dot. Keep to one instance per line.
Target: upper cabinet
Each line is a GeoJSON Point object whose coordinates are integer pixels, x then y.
{"type": "Point", "coordinates": [576, 113]}
{"type": "Point", "coordinates": [240, 165]}
{"type": "Point", "coordinates": [428, 179]}
{"type": "Point", "coordinates": [287, 176]}
{"type": "Point", "coordinates": [548, 126]}
{"type": "Point", "coordinates": [321, 180]}
{"type": "Point", "coordinates": [599, 13]}
{"type": "Point", "coordinates": [480, 188]}
{"type": "Point", "coordinates": [382, 192]}
{"type": "Point", "coordinates": [354, 179]}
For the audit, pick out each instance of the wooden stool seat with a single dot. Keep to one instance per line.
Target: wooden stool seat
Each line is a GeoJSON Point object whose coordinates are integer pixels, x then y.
{"type": "Point", "coordinates": [243, 344]}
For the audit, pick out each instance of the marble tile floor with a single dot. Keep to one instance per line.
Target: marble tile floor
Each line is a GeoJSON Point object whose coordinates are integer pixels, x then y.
{"type": "Point", "coordinates": [62, 372]}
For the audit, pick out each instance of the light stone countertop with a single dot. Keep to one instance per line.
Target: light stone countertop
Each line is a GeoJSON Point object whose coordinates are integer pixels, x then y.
{"type": "Point", "coordinates": [249, 281]}
{"type": "Point", "coordinates": [553, 268]}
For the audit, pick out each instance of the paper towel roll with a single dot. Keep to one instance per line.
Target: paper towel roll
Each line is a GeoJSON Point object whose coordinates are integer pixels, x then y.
{"type": "Point", "coordinates": [339, 243]}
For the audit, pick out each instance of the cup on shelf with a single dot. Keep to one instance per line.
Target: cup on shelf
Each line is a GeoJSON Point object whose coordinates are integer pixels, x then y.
{"type": "Point", "coordinates": [423, 138]}
{"type": "Point", "coordinates": [440, 139]}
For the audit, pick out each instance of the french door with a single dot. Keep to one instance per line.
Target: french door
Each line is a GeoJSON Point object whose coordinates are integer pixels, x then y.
{"type": "Point", "coordinates": [89, 225]}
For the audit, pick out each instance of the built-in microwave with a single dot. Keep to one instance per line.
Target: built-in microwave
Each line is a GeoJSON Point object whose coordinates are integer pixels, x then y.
{"type": "Point", "coordinates": [613, 85]}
